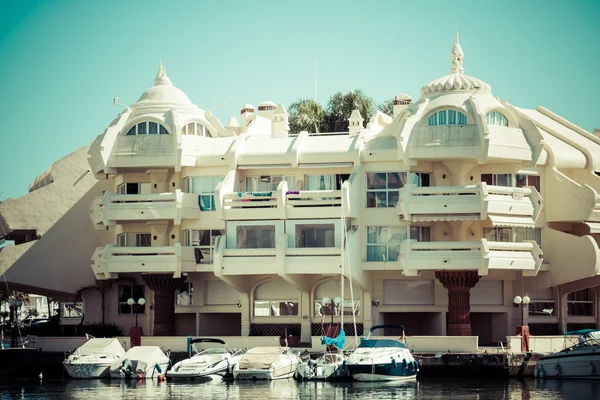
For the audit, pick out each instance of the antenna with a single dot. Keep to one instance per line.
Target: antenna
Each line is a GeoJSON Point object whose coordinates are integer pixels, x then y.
{"type": "Point", "coordinates": [315, 78]}
{"type": "Point", "coordinates": [116, 101]}
{"type": "Point", "coordinates": [223, 104]}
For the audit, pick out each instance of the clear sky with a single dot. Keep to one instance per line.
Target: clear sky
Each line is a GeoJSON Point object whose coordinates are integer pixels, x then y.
{"type": "Point", "coordinates": [63, 61]}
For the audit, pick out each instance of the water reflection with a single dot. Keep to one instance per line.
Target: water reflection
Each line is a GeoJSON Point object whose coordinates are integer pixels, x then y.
{"type": "Point", "coordinates": [430, 388]}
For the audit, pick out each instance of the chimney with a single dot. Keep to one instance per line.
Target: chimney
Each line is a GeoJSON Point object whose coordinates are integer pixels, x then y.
{"type": "Point", "coordinates": [266, 109]}
{"type": "Point", "coordinates": [233, 126]}
{"type": "Point", "coordinates": [401, 103]}
{"type": "Point", "coordinates": [596, 132]}
{"type": "Point", "coordinates": [356, 123]}
{"type": "Point", "coordinates": [247, 115]}
{"type": "Point", "coordinates": [280, 125]}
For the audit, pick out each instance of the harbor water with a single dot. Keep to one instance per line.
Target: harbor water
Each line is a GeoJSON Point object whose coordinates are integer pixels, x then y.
{"type": "Point", "coordinates": [431, 388]}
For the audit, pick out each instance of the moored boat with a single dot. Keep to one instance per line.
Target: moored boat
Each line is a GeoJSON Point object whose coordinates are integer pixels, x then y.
{"type": "Point", "coordinates": [581, 361]}
{"type": "Point", "coordinates": [206, 363]}
{"type": "Point", "coordinates": [329, 366]}
{"type": "Point", "coordinates": [140, 362]}
{"type": "Point", "coordinates": [94, 358]}
{"type": "Point", "coordinates": [266, 363]}
{"type": "Point", "coordinates": [383, 359]}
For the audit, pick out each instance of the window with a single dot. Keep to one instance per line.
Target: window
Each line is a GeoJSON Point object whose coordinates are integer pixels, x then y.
{"type": "Point", "coordinates": [275, 308]}
{"type": "Point", "coordinates": [325, 182]}
{"type": "Point", "coordinates": [134, 188]}
{"type": "Point", "coordinates": [498, 234]}
{"type": "Point", "coordinates": [325, 309]}
{"type": "Point", "coordinates": [497, 179]}
{"type": "Point", "coordinates": [447, 117]}
{"type": "Point", "coordinates": [382, 188]}
{"type": "Point", "coordinates": [580, 302]}
{"type": "Point", "coordinates": [134, 240]}
{"type": "Point", "coordinates": [421, 179]}
{"type": "Point", "coordinates": [147, 127]}
{"type": "Point", "coordinates": [134, 292]}
{"type": "Point", "coordinates": [184, 294]}
{"type": "Point", "coordinates": [195, 129]}
{"type": "Point", "coordinates": [322, 235]}
{"type": "Point", "coordinates": [383, 242]}
{"type": "Point", "coordinates": [496, 118]}
{"type": "Point", "coordinates": [204, 186]}
{"type": "Point", "coordinates": [203, 240]}
{"type": "Point", "coordinates": [420, 233]}
{"type": "Point", "coordinates": [527, 180]}
{"type": "Point", "coordinates": [268, 183]}
{"type": "Point", "coordinates": [255, 237]}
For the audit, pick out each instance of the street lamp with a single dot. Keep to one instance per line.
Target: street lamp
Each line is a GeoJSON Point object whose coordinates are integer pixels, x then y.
{"type": "Point", "coordinates": [523, 331]}
{"type": "Point", "coordinates": [14, 305]}
{"type": "Point", "coordinates": [141, 301]}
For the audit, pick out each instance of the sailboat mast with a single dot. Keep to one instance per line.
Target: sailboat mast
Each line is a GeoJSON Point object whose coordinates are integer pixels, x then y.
{"type": "Point", "coordinates": [343, 232]}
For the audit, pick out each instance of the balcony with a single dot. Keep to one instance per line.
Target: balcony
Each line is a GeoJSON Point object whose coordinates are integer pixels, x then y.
{"type": "Point", "coordinates": [110, 260]}
{"type": "Point", "coordinates": [111, 208]}
{"type": "Point", "coordinates": [505, 206]}
{"type": "Point", "coordinates": [279, 260]}
{"type": "Point", "coordinates": [476, 255]}
{"type": "Point", "coordinates": [286, 204]}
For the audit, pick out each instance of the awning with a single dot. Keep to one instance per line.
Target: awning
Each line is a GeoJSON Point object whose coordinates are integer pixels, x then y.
{"type": "Point", "coordinates": [265, 166]}
{"type": "Point", "coordinates": [594, 226]}
{"type": "Point", "coordinates": [445, 217]}
{"type": "Point", "coordinates": [516, 221]}
{"type": "Point", "coordinates": [326, 165]}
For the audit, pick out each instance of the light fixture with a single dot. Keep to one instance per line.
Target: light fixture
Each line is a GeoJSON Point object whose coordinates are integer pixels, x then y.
{"type": "Point", "coordinates": [326, 300]}
{"type": "Point", "coordinates": [141, 301]}
{"type": "Point", "coordinates": [517, 300]}
{"type": "Point", "coordinates": [337, 300]}
{"type": "Point", "coordinates": [526, 300]}
{"type": "Point", "coordinates": [130, 301]}
{"type": "Point", "coordinates": [239, 304]}
{"type": "Point", "coordinates": [376, 302]}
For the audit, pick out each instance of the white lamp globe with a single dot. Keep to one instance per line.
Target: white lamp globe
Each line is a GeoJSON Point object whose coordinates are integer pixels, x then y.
{"type": "Point", "coordinates": [326, 300]}
{"type": "Point", "coordinates": [337, 300]}
{"type": "Point", "coordinates": [130, 301]}
{"type": "Point", "coordinates": [526, 300]}
{"type": "Point", "coordinates": [141, 301]}
{"type": "Point", "coordinates": [517, 300]}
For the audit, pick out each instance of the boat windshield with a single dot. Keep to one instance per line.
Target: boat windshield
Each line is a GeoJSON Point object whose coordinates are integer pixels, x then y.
{"type": "Point", "coordinates": [212, 351]}
{"type": "Point", "coordinates": [370, 343]}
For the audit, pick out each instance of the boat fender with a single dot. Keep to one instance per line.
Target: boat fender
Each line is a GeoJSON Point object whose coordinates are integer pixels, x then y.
{"type": "Point", "coordinates": [343, 366]}
{"type": "Point", "coordinates": [592, 369]}
{"type": "Point", "coordinates": [394, 364]}
{"type": "Point", "coordinates": [542, 373]}
{"type": "Point", "coordinates": [415, 365]}
{"type": "Point", "coordinates": [158, 368]}
{"type": "Point", "coordinates": [139, 377]}
{"type": "Point", "coordinates": [557, 368]}
{"type": "Point", "coordinates": [171, 365]}
{"type": "Point", "coordinates": [536, 372]}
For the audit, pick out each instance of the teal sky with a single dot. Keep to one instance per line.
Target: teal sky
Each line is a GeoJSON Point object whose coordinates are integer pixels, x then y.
{"type": "Point", "coordinates": [63, 61]}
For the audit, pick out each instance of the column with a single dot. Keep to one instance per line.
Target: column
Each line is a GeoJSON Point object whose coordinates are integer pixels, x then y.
{"type": "Point", "coordinates": [459, 284]}
{"type": "Point", "coordinates": [163, 286]}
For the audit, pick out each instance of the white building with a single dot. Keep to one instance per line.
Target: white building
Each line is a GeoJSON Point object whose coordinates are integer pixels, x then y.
{"type": "Point", "coordinates": [228, 230]}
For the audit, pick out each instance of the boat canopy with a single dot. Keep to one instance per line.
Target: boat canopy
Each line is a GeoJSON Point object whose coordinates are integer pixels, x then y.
{"type": "Point", "coordinates": [261, 357]}
{"type": "Point", "coordinates": [387, 326]}
{"type": "Point", "coordinates": [101, 346]}
{"type": "Point", "coordinates": [371, 343]}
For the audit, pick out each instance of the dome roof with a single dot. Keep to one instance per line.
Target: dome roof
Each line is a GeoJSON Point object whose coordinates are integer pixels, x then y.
{"type": "Point", "coordinates": [267, 104]}
{"type": "Point", "coordinates": [457, 80]}
{"type": "Point", "coordinates": [402, 96]}
{"type": "Point", "coordinates": [163, 92]}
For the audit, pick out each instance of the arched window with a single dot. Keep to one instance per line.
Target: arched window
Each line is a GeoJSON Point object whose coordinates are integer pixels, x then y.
{"type": "Point", "coordinates": [195, 129]}
{"type": "Point", "coordinates": [447, 117]}
{"type": "Point", "coordinates": [147, 128]}
{"type": "Point", "coordinates": [496, 118]}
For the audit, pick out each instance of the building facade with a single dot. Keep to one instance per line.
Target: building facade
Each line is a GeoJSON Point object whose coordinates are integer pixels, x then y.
{"type": "Point", "coordinates": [434, 217]}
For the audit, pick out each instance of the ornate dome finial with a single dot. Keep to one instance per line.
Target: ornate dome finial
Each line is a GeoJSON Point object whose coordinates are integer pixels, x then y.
{"type": "Point", "coordinates": [457, 56]}
{"type": "Point", "coordinates": [161, 76]}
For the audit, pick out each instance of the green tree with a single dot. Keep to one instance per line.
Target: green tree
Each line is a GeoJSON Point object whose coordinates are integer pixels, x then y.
{"type": "Point", "coordinates": [341, 105]}
{"type": "Point", "coordinates": [306, 115]}
{"type": "Point", "coordinates": [387, 107]}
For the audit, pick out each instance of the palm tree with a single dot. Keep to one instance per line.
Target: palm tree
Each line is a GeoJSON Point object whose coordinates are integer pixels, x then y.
{"type": "Point", "coordinates": [306, 115]}
{"type": "Point", "coordinates": [387, 107]}
{"type": "Point", "coordinates": [341, 105]}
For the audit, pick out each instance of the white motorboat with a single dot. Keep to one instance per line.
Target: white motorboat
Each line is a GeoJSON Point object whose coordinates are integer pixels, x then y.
{"type": "Point", "coordinates": [382, 359]}
{"type": "Point", "coordinates": [140, 362]}
{"type": "Point", "coordinates": [267, 363]}
{"type": "Point", "coordinates": [330, 366]}
{"type": "Point", "coordinates": [94, 358]}
{"type": "Point", "coordinates": [581, 361]}
{"type": "Point", "coordinates": [206, 363]}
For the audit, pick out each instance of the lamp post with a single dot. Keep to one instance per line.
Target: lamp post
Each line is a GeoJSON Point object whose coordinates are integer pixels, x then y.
{"type": "Point", "coordinates": [141, 301]}
{"type": "Point", "coordinates": [330, 331]}
{"type": "Point", "coordinates": [523, 331]}
{"type": "Point", "coordinates": [14, 305]}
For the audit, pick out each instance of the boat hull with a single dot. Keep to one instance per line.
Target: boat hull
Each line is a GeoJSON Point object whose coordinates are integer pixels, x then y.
{"type": "Point", "coordinates": [87, 370]}
{"type": "Point", "coordinates": [285, 372]}
{"type": "Point", "coordinates": [149, 372]}
{"type": "Point", "coordinates": [569, 366]}
{"type": "Point", "coordinates": [322, 372]}
{"type": "Point", "coordinates": [380, 372]}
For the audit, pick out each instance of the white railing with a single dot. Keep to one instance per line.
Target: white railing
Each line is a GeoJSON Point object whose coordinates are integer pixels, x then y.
{"type": "Point", "coordinates": [301, 198]}
{"type": "Point", "coordinates": [145, 198]}
{"type": "Point", "coordinates": [250, 200]}
{"type": "Point", "coordinates": [313, 251]}
{"type": "Point", "coordinates": [143, 251]}
{"type": "Point", "coordinates": [249, 252]}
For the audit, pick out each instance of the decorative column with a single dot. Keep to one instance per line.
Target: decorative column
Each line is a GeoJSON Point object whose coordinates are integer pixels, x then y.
{"type": "Point", "coordinates": [459, 284]}
{"type": "Point", "coordinates": [163, 286]}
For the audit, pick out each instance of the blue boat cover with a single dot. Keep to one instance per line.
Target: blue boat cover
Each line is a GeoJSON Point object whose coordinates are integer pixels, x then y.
{"type": "Point", "coordinates": [337, 341]}
{"type": "Point", "coordinates": [381, 343]}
